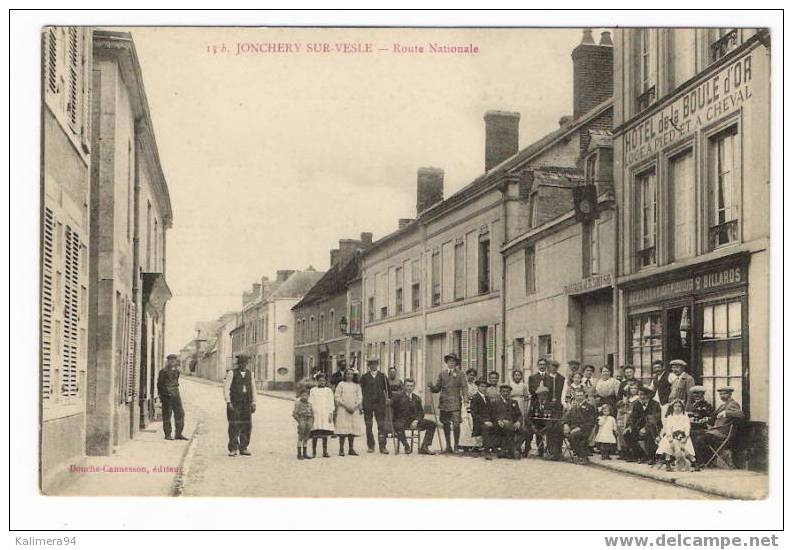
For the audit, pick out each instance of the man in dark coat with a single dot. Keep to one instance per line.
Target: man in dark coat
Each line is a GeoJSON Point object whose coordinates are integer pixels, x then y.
{"type": "Point", "coordinates": [539, 378]}
{"type": "Point", "coordinates": [506, 422]}
{"type": "Point", "coordinates": [700, 412]}
{"type": "Point", "coordinates": [171, 400]}
{"type": "Point", "coordinates": [544, 422]}
{"type": "Point", "coordinates": [451, 386]}
{"type": "Point", "coordinates": [628, 372]}
{"type": "Point", "coordinates": [239, 390]}
{"type": "Point", "coordinates": [725, 418]}
{"type": "Point", "coordinates": [374, 388]}
{"type": "Point", "coordinates": [555, 382]}
{"type": "Point", "coordinates": [409, 414]}
{"type": "Point", "coordinates": [338, 375]}
{"type": "Point", "coordinates": [480, 413]}
{"type": "Point", "coordinates": [643, 424]}
{"type": "Point", "coordinates": [660, 382]}
{"type": "Point", "coordinates": [578, 423]}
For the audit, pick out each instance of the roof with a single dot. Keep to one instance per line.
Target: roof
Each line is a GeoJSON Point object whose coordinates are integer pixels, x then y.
{"type": "Point", "coordinates": [298, 284]}
{"type": "Point", "coordinates": [333, 282]}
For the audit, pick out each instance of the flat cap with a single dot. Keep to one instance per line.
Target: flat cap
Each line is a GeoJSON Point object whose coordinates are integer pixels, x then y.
{"type": "Point", "coordinates": [697, 389]}
{"type": "Point", "coordinates": [679, 362]}
{"type": "Point", "coordinates": [727, 389]}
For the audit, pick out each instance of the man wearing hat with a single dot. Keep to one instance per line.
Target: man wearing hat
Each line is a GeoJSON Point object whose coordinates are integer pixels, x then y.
{"type": "Point", "coordinates": [544, 422]}
{"type": "Point", "coordinates": [555, 382]}
{"type": "Point", "coordinates": [539, 378]}
{"type": "Point", "coordinates": [643, 424]}
{"type": "Point", "coordinates": [168, 390]}
{"type": "Point", "coordinates": [374, 388]}
{"type": "Point", "coordinates": [725, 415]}
{"type": "Point", "coordinates": [506, 422]}
{"type": "Point", "coordinates": [451, 386]}
{"type": "Point", "coordinates": [700, 412]}
{"type": "Point", "coordinates": [578, 423]}
{"type": "Point", "coordinates": [661, 382]}
{"type": "Point", "coordinates": [683, 382]}
{"type": "Point", "coordinates": [239, 391]}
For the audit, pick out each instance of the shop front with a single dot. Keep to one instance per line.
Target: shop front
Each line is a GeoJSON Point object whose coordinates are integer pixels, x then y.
{"type": "Point", "coordinates": [699, 315]}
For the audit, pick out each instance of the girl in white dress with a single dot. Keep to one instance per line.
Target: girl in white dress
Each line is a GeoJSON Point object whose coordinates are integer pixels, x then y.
{"type": "Point", "coordinates": [676, 425]}
{"type": "Point", "coordinates": [467, 440]}
{"type": "Point", "coordinates": [606, 437]}
{"type": "Point", "coordinates": [323, 402]}
{"type": "Point", "coordinates": [349, 400]}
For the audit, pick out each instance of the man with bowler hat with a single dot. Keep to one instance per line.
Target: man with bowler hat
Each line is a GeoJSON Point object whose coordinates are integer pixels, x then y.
{"type": "Point", "coordinates": [239, 390]}
{"type": "Point", "coordinates": [374, 388]}
{"type": "Point", "coordinates": [168, 390]}
{"type": "Point", "coordinates": [451, 385]}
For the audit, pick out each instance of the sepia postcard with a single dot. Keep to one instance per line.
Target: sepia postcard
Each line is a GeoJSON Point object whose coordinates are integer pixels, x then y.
{"type": "Point", "coordinates": [525, 263]}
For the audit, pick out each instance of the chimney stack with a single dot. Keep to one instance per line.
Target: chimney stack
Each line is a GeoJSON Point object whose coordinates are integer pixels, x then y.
{"type": "Point", "coordinates": [429, 188]}
{"type": "Point", "coordinates": [501, 137]}
{"type": "Point", "coordinates": [593, 79]}
{"type": "Point", "coordinates": [334, 256]}
{"type": "Point", "coordinates": [366, 239]}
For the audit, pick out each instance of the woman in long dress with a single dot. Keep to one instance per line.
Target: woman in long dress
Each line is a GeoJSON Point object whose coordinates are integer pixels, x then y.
{"type": "Point", "coordinates": [676, 426]}
{"type": "Point", "coordinates": [624, 407]}
{"type": "Point", "coordinates": [349, 400]}
{"type": "Point", "coordinates": [467, 440]}
{"type": "Point", "coordinates": [323, 402]}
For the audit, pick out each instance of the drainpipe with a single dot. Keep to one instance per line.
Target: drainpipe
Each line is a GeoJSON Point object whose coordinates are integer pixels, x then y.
{"type": "Point", "coordinates": [139, 321]}
{"type": "Point", "coordinates": [503, 279]}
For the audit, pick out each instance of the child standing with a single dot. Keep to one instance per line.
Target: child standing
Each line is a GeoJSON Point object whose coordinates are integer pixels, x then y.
{"type": "Point", "coordinates": [606, 437]}
{"type": "Point", "coordinates": [303, 413]}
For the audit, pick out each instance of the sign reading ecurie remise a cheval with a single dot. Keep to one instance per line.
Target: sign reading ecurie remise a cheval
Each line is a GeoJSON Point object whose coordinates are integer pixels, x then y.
{"type": "Point", "coordinates": [714, 98]}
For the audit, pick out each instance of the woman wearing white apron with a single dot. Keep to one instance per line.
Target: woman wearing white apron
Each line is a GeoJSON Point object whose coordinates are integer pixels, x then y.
{"type": "Point", "coordinates": [324, 405]}
{"type": "Point", "coordinates": [467, 440]}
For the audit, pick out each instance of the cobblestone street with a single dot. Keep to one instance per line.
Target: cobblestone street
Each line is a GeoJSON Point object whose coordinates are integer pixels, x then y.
{"type": "Point", "coordinates": [273, 470]}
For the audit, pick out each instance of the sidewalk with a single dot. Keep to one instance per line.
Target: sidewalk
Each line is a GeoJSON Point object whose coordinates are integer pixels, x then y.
{"type": "Point", "coordinates": [288, 395]}
{"type": "Point", "coordinates": [736, 484]}
{"type": "Point", "coordinates": [147, 465]}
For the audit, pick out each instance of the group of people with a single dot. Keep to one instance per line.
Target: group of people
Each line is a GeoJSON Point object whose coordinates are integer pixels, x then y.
{"type": "Point", "coordinates": [617, 417]}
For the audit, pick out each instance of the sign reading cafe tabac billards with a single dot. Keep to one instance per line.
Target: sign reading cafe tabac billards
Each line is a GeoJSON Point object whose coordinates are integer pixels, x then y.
{"type": "Point", "coordinates": [714, 98]}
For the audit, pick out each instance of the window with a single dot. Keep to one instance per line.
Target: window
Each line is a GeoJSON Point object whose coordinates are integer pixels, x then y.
{"type": "Point", "coordinates": [647, 209]}
{"type": "Point", "coordinates": [311, 328]}
{"type": "Point", "coordinates": [723, 195]}
{"type": "Point", "coordinates": [459, 269]}
{"type": "Point", "coordinates": [332, 324]}
{"type": "Point", "coordinates": [484, 263]}
{"type": "Point", "coordinates": [721, 347]}
{"type": "Point", "coordinates": [321, 326]}
{"type": "Point", "coordinates": [399, 282]}
{"type": "Point", "coordinates": [397, 354]}
{"type": "Point", "coordinates": [683, 207]}
{"type": "Point", "coordinates": [382, 294]}
{"type": "Point", "coordinates": [647, 52]}
{"type": "Point", "coordinates": [533, 214]}
{"type": "Point", "coordinates": [52, 60]}
{"type": "Point", "coordinates": [354, 326]}
{"type": "Point", "coordinates": [544, 346]}
{"type": "Point", "coordinates": [590, 249]}
{"type": "Point", "coordinates": [530, 271]}
{"type": "Point", "coordinates": [684, 44]}
{"type": "Point", "coordinates": [415, 289]}
{"type": "Point", "coordinates": [73, 107]}
{"type": "Point", "coordinates": [646, 342]}
{"type": "Point", "coordinates": [723, 42]}
{"type": "Point", "coordinates": [436, 278]}
{"type": "Point", "coordinates": [48, 303]}
{"type": "Point", "coordinates": [370, 309]}
{"type": "Point", "coordinates": [590, 169]}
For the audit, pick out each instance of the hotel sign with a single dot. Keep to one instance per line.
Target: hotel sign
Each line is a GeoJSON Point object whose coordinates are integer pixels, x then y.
{"type": "Point", "coordinates": [712, 99]}
{"type": "Point", "coordinates": [705, 282]}
{"type": "Point", "coordinates": [594, 282]}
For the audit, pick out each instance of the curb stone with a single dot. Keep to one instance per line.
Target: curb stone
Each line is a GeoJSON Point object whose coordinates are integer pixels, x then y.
{"type": "Point", "coordinates": [177, 489]}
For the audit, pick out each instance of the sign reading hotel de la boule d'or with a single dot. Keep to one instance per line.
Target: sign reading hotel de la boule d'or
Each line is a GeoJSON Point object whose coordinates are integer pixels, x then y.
{"type": "Point", "coordinates": [714, 98]}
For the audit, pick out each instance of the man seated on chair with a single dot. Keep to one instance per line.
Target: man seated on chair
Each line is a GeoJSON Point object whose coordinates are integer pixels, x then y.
{"type": "Point", "coordinates": [409, 415]}
{"type": "Point", "coordinates": [544, 422]}
{"type": "Point", "coordinates": [643, 424]}
{"type": "Point", "coordinates": [725, 417]}
{"type": "Point", "coordinates": [700, 412]}
{"type": "Point", "coordinates": [506, 422]}
{"type": "Point", "coordinates": [578, 423]}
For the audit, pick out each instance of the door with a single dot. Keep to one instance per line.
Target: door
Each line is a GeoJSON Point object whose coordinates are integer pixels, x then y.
{"type": "Point", "coordinates": [678, 332]}
{"type": "Point", "coordinates": [595, 332]}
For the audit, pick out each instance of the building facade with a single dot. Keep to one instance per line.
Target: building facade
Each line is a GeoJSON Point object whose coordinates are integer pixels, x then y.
{"type": "Point", "coordinates": [328, 328]}
{"type": "Point", "coordinates": [692, 173]}
{"type": "Point", "coordinates": [65, 234]}
{"type": "Point", "coordinates": [560, 260]}
{"type": "Point", "coordinates": [130, 214]}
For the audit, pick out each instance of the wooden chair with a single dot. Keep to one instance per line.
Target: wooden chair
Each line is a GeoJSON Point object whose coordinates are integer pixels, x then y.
{"type": "Point", "coordinates": [722, 454]}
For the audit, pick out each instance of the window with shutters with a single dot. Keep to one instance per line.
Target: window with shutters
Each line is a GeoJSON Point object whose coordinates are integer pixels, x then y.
{"type": "Point", "coordinates": [491, 348]}
{"type": "Point", "coordinates": [47, 302]}
{"type": "Point", "coordinates": [132, 378]}
{"type": "Point", "coordinates": [415, 289]}
{"type": "Point", "coordinates": [484, 263]}
{"type": "Point", "coordinates": [71, 315]}
{"type": "Point", "coordinates": [545, 346]}
{"type": "Point", "coordinates": [723, 211]}
{"type": "Point", "coordinates": [321, 326]}
{"type": "Point", "coordinates": [459, 269]}
{"type": "Point", "coordinates": [646, 198]}
{"type": "Point", "coordinates": [398, 290]}
{"type": "Point", "coordinates": [474, 336]}
{"type": "Point", "coordinates": [682, 210]}
{"type": "Point", "coordinates": [436, 278]}
{"type": "Point", "coordinates": [530, 271]}
{"type": "Point", "coordinates": [464, 345]}
{"type": "Point", "coordinates": [355, 318]}
{"type": "Point", "coordinates": [73, 107]}
{"type": "Point", "coordinates": [52, 60]}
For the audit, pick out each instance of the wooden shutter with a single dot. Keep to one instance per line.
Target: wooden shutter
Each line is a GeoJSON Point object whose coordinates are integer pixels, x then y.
{"type": "Point", "coordinates": [71, 320]}
{"type": "Point", "coordinates": [472, 345]}
{"type": "Point", "coordinates": [464, 349]}
{"type": "Point", "coordinates": [52, 60]}
{"type": "Point", "coordinates": [132, 326]}
{"type": "Point", "coordinates": [72, 108]}
{"type": "Point", "coordinates": [47, 298]}
{"type": "Point", "coordinates": [491, 348]}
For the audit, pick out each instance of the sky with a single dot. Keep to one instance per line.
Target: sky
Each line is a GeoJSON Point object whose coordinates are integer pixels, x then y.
{"type": "Point", "coordinates": [272, 157]}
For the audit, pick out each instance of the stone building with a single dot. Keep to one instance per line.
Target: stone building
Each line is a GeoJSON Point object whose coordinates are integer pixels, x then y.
{"type": "Point", "coordinates": [692, 175]}
{"type": "Point", "coordinates": [64, 238]}
{"type": "Point", "coordinates": [328, 327]}
{"type": "Point", "coordinates": [559, 260]}
{"type": "Point", "coordinates": [217, 357]}
{"type": "Point", "coordinates": [130, 214]}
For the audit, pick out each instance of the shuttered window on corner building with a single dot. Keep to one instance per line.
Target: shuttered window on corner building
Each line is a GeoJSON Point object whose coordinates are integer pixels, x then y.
{"type": "Point", "coordinates": [491, 348]}
{"type": "Point", "coordinates": [464, 350]}
{"type": "Point", "coordinates": [472, 346]}
{"type": "Point", "coordinates": [52, 60]}
{"type": "Point", "coordinates": [73, 58]}
{"type": "Point", "coordinates": [71, 314]}
{"type": "Point", "coordinates": [130, 359]}
{"type": "Point", "coordinates": [47, 299]}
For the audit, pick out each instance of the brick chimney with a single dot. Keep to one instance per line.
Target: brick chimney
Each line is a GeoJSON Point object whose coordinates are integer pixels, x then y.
{"type": "Point", "coordinates": [283, 274]}
{"type": "Point", "coordinates": [366, 239]}
{"type": "Point", "coordinates": [501, 137]}
{"type": "Point", "coordinates": [334, 256]}
{"type": "Point", "coordinates": [429, 188]}
{"type": "Point", "coordinates": [593, 78]}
